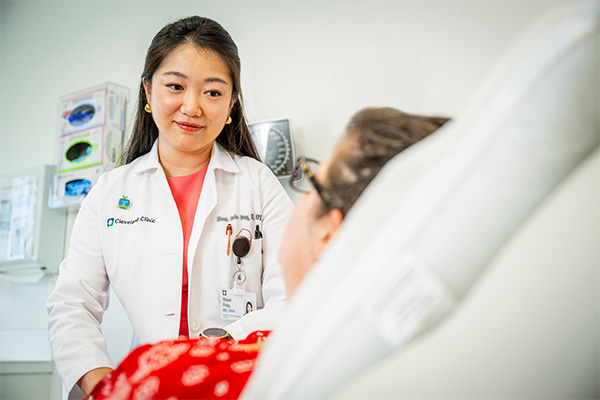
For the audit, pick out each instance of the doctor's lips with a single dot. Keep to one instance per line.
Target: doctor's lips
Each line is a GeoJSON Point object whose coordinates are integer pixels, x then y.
{"type": "Point", "coordinates": [188, 126]}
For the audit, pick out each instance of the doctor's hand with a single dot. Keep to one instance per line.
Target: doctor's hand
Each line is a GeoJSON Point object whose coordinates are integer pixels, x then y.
{"type": "Point", "coordinates": [88, 382]}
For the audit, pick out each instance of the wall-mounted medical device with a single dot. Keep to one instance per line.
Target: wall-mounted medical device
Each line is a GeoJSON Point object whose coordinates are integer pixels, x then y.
{"type": "Point", "coordinates": [275, 144]}
{"type": "Point", "coordinates": [91, 129]}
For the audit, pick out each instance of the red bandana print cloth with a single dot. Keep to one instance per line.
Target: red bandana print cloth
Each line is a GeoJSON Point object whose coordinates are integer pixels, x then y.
{"type": "Point", "coordinates": [183, 369]}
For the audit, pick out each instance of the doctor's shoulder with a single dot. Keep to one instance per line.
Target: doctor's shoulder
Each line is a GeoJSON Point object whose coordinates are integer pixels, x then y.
{"type": "Point", "coordinates": [260, 177]}
{"type": "Point", "coordinates": [116, 177]}
{"type": "Point", "coordinates": [256, 170]}
{"type": "Point", "coordinates": [264, 180]}
{"type": "Point", "coordinates": [109, 182]}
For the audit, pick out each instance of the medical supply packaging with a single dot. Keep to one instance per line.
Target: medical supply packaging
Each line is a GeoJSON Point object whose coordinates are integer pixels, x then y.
{"type": "Point", "coordinates": [90, 136]}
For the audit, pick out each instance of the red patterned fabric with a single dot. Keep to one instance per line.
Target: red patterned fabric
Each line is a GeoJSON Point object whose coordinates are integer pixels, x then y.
{"type": "Point", "coordinates": [183, 369]}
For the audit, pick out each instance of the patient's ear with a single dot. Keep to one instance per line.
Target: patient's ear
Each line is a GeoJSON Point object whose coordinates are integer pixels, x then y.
{"type": "Point", "coordinates": [329, 224]}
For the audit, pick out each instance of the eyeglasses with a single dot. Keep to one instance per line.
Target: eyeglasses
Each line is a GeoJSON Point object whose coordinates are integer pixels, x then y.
{"type": "Point", "coordinates": [304, 169]}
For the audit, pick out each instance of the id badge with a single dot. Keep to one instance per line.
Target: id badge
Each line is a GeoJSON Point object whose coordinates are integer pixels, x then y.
{"type": "Point", "coordinates": [236, 302]}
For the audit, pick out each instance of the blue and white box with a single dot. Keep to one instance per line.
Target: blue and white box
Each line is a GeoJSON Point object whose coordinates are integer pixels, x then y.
{"type": "Point", "coordinates": [91, 132]}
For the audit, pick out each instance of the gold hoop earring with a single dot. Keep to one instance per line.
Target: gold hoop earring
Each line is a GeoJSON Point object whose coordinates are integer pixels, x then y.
{"type": "Point", "coordinates": [228, 120]}
{"type": "Point", "coordinates": [147, 108]}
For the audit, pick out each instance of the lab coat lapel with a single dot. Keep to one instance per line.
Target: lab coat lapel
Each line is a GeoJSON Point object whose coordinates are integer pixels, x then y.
{"type": "Point", "coordinates": [150, 163]}
{"type": "Point", "coordinates": [206, 203]}
{"type": "Point", "coordinates": [220, 161]}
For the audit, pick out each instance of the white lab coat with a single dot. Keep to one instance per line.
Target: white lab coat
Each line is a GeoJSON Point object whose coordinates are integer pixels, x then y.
{"type": "Point", "coordinates": [139, 251]}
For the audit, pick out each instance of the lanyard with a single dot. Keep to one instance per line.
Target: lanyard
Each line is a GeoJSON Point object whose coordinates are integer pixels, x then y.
{"type": "Point", "coordinates": [241, 247]}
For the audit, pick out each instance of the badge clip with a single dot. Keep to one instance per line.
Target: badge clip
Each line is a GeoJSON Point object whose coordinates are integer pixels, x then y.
{"type": "Point", "coordinates": [241, 244]}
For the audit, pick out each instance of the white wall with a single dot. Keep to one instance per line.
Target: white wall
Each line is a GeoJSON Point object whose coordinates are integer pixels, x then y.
{"type": "Point", "coordinates": [315, 62]}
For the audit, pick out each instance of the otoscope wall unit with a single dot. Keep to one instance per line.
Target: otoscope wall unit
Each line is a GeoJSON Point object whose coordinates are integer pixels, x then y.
{"type": "Point", "coordinates": [32, 235]}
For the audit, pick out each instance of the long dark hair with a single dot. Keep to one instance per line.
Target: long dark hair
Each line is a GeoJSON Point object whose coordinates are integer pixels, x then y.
{"type": "Point", "coordinates": [206, 34]}
{"type": "Point", "coordinates": [373, 136]}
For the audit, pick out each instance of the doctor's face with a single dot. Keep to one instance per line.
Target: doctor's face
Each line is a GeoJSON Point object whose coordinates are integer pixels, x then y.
{"type": "Point", "coordinates": [191, 97]}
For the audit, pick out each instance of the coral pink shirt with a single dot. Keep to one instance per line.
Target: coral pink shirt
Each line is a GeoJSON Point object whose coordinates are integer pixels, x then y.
{"type": "Point", "coordinates": [186, 192]}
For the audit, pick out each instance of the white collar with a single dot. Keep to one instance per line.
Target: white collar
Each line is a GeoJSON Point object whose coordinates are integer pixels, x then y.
{"type": "Point", "coordinates": [219, 159]}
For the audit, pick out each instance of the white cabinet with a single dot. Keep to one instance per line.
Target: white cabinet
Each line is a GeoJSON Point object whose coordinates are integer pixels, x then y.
{"type": "Point", "coordinates": [32, 235]}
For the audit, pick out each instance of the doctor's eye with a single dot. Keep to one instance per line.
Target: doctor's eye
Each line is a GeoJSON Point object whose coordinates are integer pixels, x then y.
{"type": "Point", "coordinates": [175, 86]}
{"type": "Point", "coordinates": [213, 93]}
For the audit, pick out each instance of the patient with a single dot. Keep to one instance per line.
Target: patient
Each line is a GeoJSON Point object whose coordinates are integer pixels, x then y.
{"type": "Point", "coordinates": [219, 368]}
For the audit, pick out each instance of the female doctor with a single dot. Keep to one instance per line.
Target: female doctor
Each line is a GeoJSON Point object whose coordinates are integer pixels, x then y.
{"type": "Point", "coordinates": [188, 231]}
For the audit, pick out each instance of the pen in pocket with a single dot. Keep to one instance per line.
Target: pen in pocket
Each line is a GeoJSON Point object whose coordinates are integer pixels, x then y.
{"type": "Point", "coordinates": [228, 232]}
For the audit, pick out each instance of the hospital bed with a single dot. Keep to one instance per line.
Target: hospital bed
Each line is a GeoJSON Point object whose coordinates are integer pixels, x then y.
{"type": "Point", "coordinates": [469, 267]}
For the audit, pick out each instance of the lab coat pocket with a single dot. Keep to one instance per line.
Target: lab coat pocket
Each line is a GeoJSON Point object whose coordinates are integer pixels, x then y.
{"type": "Point", "coordinates": [253, 266]}
{"type": "Point", "coordinates": [226, 264]}
{"type": "Point", "coordinates": [250, 265]}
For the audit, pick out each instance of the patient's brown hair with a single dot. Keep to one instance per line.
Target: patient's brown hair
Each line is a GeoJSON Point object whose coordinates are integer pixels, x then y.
{"type": "Point", "coordinates": [373, 136]}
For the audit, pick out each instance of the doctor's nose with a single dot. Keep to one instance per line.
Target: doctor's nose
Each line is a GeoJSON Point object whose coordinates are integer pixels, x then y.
{"type": "Point", "coordinates": [191, 105]}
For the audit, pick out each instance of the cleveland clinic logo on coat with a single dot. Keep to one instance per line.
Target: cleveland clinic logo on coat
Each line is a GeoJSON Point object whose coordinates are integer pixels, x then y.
{"type": "Point", "coordinates": [116, 221]}
{"type": "Point", "coordinates": [124, 204]}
